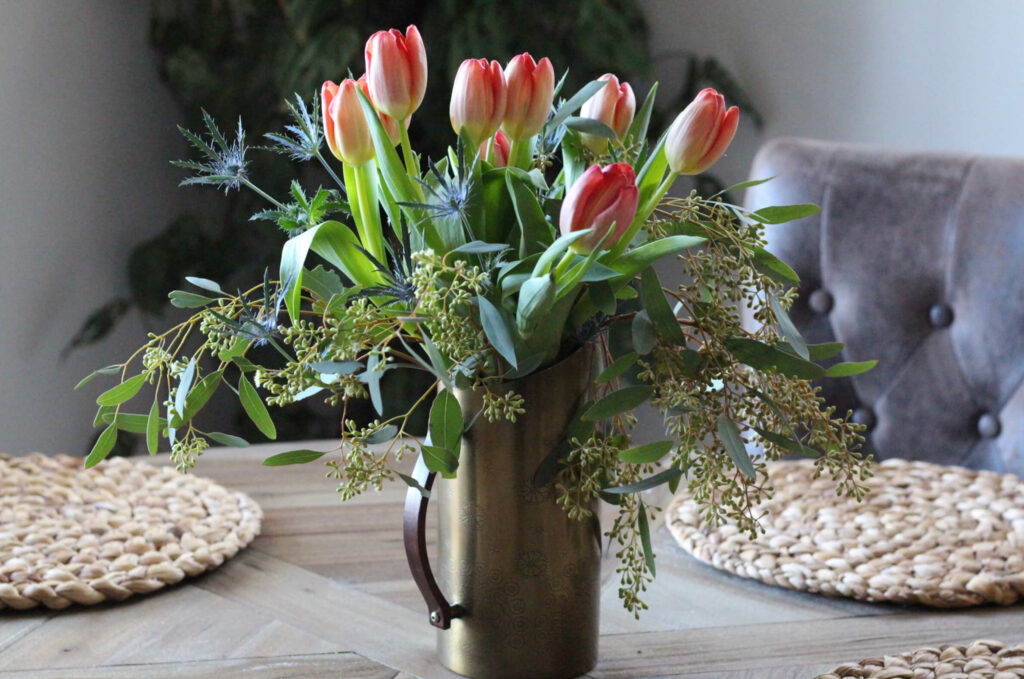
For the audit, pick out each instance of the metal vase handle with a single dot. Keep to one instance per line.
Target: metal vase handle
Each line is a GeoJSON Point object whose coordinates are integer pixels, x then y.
{"type": "Point", "coordinates": [414, 534]}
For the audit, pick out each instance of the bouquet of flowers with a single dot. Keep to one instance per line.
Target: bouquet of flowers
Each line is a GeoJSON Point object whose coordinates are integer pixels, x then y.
{"type": "Point", "coordinates": [536, 233]}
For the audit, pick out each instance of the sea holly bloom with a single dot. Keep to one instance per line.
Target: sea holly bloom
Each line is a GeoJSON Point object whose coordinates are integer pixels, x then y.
{"type": "Point", "coordinates": [478, 99]}
{"type": "Point", "coordinates": [390, 124]}
{"type": "Point", "coordinates": [601, 197]}
{"type": "Point", "coordinates": [396, 71]}
{"type": "Point", "coordinates": [614, 105]}
{"type": "Point", "coordinates": [531, 88]}
{"type": "Point", "coordinates": [700, 134]}
{"type": "Point", "coordinates": [348, 135]}
{"type": "Point", "coordinates": [499, 151]}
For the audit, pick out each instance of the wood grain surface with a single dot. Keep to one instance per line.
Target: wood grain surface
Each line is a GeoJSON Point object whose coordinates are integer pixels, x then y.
{"type": "Point", "coordinates": [325, 592]}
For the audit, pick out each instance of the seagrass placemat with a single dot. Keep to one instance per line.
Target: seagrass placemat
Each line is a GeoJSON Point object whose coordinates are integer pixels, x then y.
{"type": "Point", "coordinates": [982, 659]}
{"type": "Point", "coordinates": [69, 535]}
{"type": "Point", "coordinates": [926, 534]}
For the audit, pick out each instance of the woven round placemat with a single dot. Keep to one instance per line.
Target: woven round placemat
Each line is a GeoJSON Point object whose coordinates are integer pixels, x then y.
{"type": "Point", "coordinates": [69, 535]}
{"type": "Point", "coordinates": [982, 659]}
{"type": "Point", "coordinates": [926, 533]}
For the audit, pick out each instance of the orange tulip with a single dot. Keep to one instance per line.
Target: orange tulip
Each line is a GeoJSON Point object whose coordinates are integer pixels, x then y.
{"type": "Point", "coordinates": [600, 198]}
{"type": "Point", "coordinates": [348, 135]}
{"type": "Point", "coordinates": [531, 87]}
{"type": "Point", "coordinates": [700, 134]}
{"type": "Point", "coordinates": [500, 151]}
{"type": "Point", "coordinates": [478, 99]}
{"type": "Point", "coordinates": [396, 71]}
{"type": "Point", "coordinates": [390, 124]}
{"type": "Point", "coordinates": [614, 105]}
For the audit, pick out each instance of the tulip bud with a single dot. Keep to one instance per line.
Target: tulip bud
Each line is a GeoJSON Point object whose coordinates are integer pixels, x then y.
{"type": "Point", "coordinates": [396, 71]}
{"type": "Point", "coordinates": [599, 198]}
{"type": "Point", "coordinates": [327, 93]}
{"type": "Point", "coordinates": [389, 123]}
{"type": "Point", "coordinates": [614, 105]}
{"type": "Point", "coordinates": [700, 134]}
{"type": "Point", "coordinates": [499, 151]}
{"type": "Point", "coordinates": [478, 99]}
{"type": "Point", "coordinates": [348, 135]}
{"type": "Point", "coordinates": [531, 87]}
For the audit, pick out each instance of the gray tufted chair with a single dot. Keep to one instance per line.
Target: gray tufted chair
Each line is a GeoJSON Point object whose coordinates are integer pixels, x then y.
{"type": "Point", "coordinates": [916, 260]}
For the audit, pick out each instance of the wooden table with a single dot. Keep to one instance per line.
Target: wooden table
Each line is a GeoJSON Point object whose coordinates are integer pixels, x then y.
{"type": "Point", "coordinates": [325, 592]}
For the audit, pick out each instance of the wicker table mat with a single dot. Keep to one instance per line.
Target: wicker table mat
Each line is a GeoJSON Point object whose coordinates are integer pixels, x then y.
{"type": "Point", "coordinates": [981, 659]}
{"type": "Point", "coordinates": [926, 533]}
{"type": "Point", "coordinates": [69, 535]}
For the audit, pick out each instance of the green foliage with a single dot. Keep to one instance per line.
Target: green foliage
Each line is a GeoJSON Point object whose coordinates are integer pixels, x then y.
{"type": "Point", "coordinates": [475, 287]}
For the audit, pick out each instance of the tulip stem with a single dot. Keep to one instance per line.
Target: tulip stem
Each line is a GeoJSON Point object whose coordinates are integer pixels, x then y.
{"type": "Point", "coordinates": [362, 185]}
{"type": "Point", "coordinates": [410, 159]}
{"type": "Point", "coordinates": [519, 154]}
{"type": "Point", "coordinates": [563, 264]}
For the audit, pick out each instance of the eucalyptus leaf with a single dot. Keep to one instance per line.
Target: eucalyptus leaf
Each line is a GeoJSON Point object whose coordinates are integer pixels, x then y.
{"type": "Point", "coordinates": [254, 408]}
{"type": "Point", "coordinates": [293, 457]}
{"type": "Point", "coordinates": [850, 369]}
{"type": "Point", "coordinates": [744, 185]}
{"type": "Point", "coordinates": [618, 402]}
{"type": "Point", "coordinates": [440, 460]}
{"type": "Point", "coordinates": [371, 378]}
{"type": "Point", "coordinates": [199, 395]}
{"type": "Point", "coordinates": [385, 433]}
{"type": "Point", "coordinates": [786, 443]}
{"type": "Point", "coordinates": [734, 445]}
{"type": "Point", "coordinates": [336, 367]}
{"type": "Point", "coordinates": [647, 453]}
{"type": "Point", "coordinates": [413, 483]}
{"type": "Point", "coordinates": [104, 444]}
{"type": "Point", "coordinates": [658, 309]}
{"type": "Point", "coordinates": [773, 267]}
{"type": "Point", "coordinates": [646, 484]}
{"type": "Point", "coordinates": [206, 284]}
{"type": "Point", "coordinates": [445, 422]}
{"type": "Point", "coordinates": [188, 300]}
{"type": "Point", "coordinates": [764, 357]}
{"type": "Point", "coordinates": [780, 214]}
{"type": "Point", "coordinates": [617, 367]}
{"type": "Point", "coordinates": [153, 427]}
{"type": "Point", "coordinates": [644, 335]}
{"type": "Point", "coordinates": [109, 370]}
{"type": "Point", "coordinates": [645, 537]}
{"type": "Point", "coordinates": [228, 440]}
{"type": "Point", "coordinates": [184, 385]}
{"type": "Point", "coordinates": [788, 329]}
{"type": "Point", "coordinates": [497, 330]}
{"type": "Point", "coordinates": [122, 392]}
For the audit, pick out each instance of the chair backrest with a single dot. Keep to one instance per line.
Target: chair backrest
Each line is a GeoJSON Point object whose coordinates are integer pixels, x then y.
{"type": "Point", "coordinates": [917, 260]}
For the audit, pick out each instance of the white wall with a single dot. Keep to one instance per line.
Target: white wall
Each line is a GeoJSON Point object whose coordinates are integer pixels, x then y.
{"type": "Point", "coordinates": [918, 74]}
{"type": "Point", "coordinates": [86, 133]}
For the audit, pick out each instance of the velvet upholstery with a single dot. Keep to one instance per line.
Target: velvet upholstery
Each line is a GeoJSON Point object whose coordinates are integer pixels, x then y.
{"type": "Point", "coordinates": [917, 260]}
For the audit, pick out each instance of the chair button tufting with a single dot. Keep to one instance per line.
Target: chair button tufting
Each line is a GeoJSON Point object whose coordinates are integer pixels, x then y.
{"type": "Point", "coordinates": [940, 315]}
{"type": "Point", "coordinates": [820, 301]}
{"type": "Point", "coordinates": [866, 417]}
{"type": "Point", "coordinates": [988, 426]}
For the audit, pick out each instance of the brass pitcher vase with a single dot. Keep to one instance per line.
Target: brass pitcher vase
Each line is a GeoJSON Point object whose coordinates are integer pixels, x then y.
{"type": "Point", "coordinates": [518, 587]}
